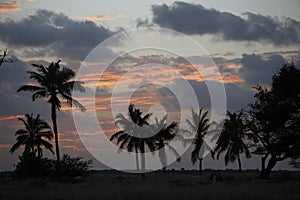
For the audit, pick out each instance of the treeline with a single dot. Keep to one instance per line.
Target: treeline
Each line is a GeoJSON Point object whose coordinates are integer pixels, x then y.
{"type": "Point", "coordinates": [268, 127]}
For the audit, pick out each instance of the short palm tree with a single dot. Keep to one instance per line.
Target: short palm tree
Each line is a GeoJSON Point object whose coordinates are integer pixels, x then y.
{"type": "Point", "coordinates": [54, 83]}
{"type": "Point", "coordinates": [199, 127]}
{"type": "Point", "coordinates": [36, 134]}
{"type": "Point", "coordinates": [130, 137]}
{"type": "Point", "coordinates": [164, 134]}
{"type": "Point", "coordinates": [232, 139]}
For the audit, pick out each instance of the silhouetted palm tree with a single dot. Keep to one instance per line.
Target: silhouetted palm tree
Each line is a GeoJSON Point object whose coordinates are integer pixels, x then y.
{"type": "Point", "coordinates": [198, 126]}
{"type": "Point", "coordinates": [134, 135]}
{"type": "Point", "coordinates": [34, 136]}
{"type": "Point", "coordinates": [125, 139]}
{"type": "Point", "coordinates": [54, 83]}
{"type": "Point", "coordinates": [138, 134]}
{"type": "Point", "coordinates": [232, 139]}
{"type": "Point", "coordinates": [165, 134]}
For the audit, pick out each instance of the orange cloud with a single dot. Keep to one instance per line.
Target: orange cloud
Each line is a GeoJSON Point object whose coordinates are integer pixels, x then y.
{"type": "Point", "coordinates": [11, 117]}
{"type": "Point", "coordinates": [101, 17]}
{"type": "Point", "coordinates": [73, 147]}
{"type": "Point", "coordinates": [10, 7]}
{"type": "Point", "coordinates": [5, 145]}
{"type": "Point", "coordinates": [230, 78]}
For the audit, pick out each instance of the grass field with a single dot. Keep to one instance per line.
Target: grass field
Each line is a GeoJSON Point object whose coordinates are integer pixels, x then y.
{"type": "Point", "coordinates": [229, 185]}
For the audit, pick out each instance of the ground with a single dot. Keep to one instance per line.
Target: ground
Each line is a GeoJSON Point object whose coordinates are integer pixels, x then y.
{"type": "Point", "coordinates": [227, 185]}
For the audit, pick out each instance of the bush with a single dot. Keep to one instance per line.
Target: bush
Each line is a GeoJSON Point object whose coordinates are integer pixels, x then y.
{"type": "Point", "coordinates": [32, 166]}
{"type": "Point", "coordinates": [73, 167]}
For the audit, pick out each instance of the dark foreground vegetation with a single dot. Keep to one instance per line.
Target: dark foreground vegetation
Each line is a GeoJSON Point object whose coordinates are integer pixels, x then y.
{"type": "Point", "coordinates": [171, 184]}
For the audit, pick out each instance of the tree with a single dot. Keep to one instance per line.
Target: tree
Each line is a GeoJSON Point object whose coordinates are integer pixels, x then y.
{"type": "Point", "coordinates": [232, 139]}
{"type": "Point", "coordinates": [54, 83]}
{"type": "Point", "coordinates": [274, 118]}
{"type": "Point", "coordinates": [165, 134]}
{"type": "Point", "coordinates": [138, 134]}
{"type": "Point", "coordinates": [198, 126]}
{"type": "Point", "coordinates": [34, 136]}
{"type": "Point", "coordinates": [133, 136]}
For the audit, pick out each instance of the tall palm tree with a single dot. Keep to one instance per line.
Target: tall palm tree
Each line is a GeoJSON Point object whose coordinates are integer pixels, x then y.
{"type": "Point", "coordinates": [232, 139]}
{"type": "Point", "coordinates": [54, 83]}
{"type": "Point", "coordinates": [34, 136]}
{"type": "Point", "coordinates": [198, 126]}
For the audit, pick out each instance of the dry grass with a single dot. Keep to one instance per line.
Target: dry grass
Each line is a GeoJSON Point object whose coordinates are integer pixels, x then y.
{"type": "Point", "coordinates": [171, 185]}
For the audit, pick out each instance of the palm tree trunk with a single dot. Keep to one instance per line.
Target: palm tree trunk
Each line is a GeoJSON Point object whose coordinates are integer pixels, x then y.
{"type": "Point", "coordinates": [200, 165]}
{"type": "Point", "coordinates": [143, 160]}
{"type": "Point", "coordinates": [239, 161]}
{"type": "Point", "coordinates": [137, 159]}
{"type": "Point", "coordinates": [53, 116]}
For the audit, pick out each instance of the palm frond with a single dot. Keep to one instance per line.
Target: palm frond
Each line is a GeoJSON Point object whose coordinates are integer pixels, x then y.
{"type": "Point", "coordinates": [39, 94]}
{"type": "Point", "coordinates": [21, 132]}
{"type": "Point", "coordinates": [30, 88]}
{"type": "Point", "coordinates": [116, 135]}
{"type": "Point", "coordinates": [174, 151]}
{"type": "Point", "coordinates": [191, 126]}
{"type": "Point", "coordinates": [15, 147]}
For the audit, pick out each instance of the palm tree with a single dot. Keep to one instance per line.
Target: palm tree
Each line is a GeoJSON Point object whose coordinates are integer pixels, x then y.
{"type": "Point", "coordinates": [198, 126]}
{"type": "Point", "coordinates": [54, 83]}
{"type": "Point", "coordinates": [34, 136]}
{"type": "Point", "coordinates": [130, 138]}
{"type": "Point", "coordinates": [137, 134]}
{"type": "Point", "coordinates": [165, 134]}
{"type": "Point", "coordinates": [232, 139]}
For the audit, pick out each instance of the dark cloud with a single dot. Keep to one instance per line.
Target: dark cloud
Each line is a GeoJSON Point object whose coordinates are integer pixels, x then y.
{"type": "Point", "coordinates": [257, 70]}
{"type": "Point", "coordinates": [57, 33]}
{"type": "Point", "coordinates": [196, 19]}
{"type": "Point", "coordinates": [12, 75]}
{"type": "Point", "coordinates": [237, 96]}
{"type": "Point", "coordinates": [254, 68]}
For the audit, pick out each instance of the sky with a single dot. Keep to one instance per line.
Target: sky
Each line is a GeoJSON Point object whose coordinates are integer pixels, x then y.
{"type": "Point", "coordinates": [248, 41]}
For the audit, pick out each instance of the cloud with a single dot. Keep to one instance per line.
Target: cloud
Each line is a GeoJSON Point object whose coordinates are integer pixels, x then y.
{"type": "Point", "coordinates": [101, 17]}
{"type": "Point", "coordinates": [257, 70]}
{"type": "Point", "coordinates": [253, 69]}
{"type": "Point", "coordinates": [10, 7]}
{"type": "Point", "coordinates": [195, 19]}
{"type": "Point", "coordinates": [237, 95]}
{"type": "Point", "coordinates": [60, 35]}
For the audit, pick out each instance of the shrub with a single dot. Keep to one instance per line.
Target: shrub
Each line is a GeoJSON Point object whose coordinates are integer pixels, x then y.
{"type": "Point", "coordinates": [32, 166]}
{"type": "Point", "coordinates": [73, 167]}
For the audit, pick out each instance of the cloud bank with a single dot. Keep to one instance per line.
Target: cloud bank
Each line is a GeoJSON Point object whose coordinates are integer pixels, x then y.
{"type": "Point", "coordinates": [57, 33]}
{"type": "Point", "coordinates": [192, 18]}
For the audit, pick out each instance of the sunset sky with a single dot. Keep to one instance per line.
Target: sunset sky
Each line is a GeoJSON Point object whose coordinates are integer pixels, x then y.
{"type": "Point", "coordinates": [248, 42]}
